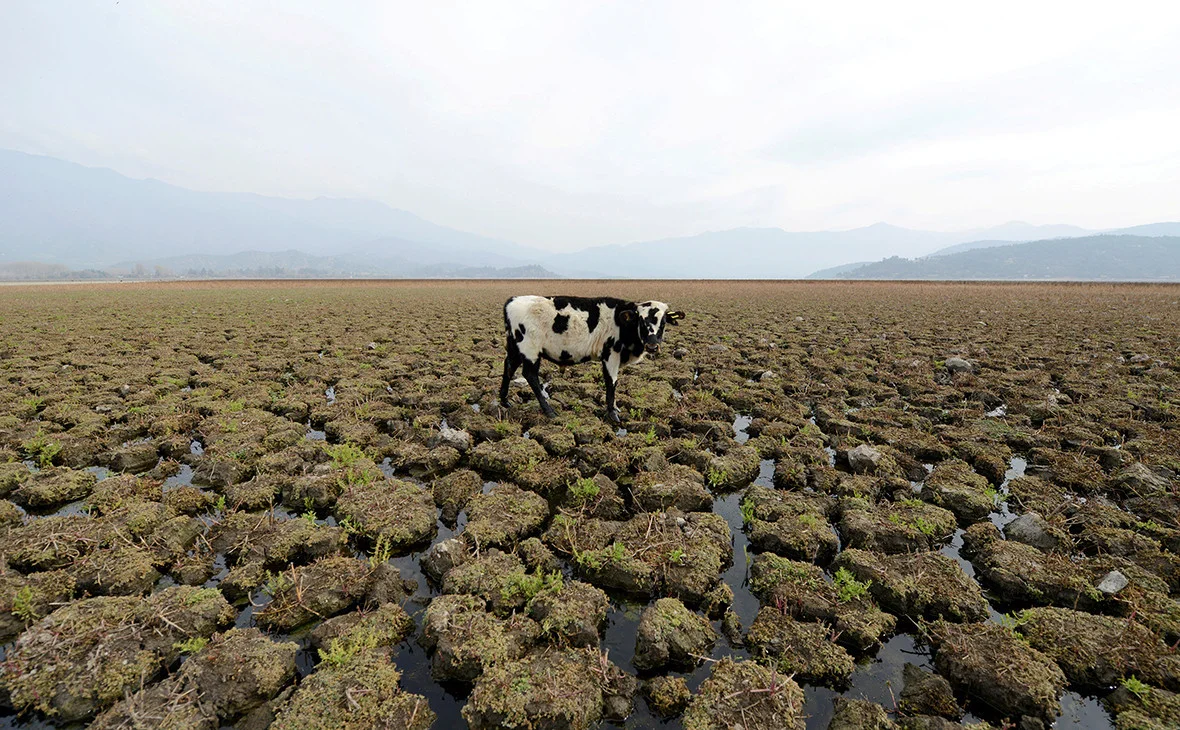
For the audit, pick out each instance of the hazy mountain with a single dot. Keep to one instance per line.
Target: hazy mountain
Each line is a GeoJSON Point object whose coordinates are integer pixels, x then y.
{"type": "Point", "coordinates": [838, 272]}
{"type": "Point", "coordinates": [292, 264]}
{"type": "Point", "coordinates": [60, 212]}
{"type": "Point", "coordinates": [1150, 229]}
{"type": "Point", "coordinates": [772, 253]}
{"type": "Point", "coordinates": [1089, 258]}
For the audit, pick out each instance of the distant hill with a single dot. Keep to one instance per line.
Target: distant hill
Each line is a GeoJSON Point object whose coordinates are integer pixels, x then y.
{"type": "Point", "coordinates": [1150, 229]}
{"type": "Point", "coordinates": [1089, 258]}
{"type": "Point", "coordinates": [60, 212]}
{"type": "Point", "coordinates": [761, 253]}
{"type": "Point", "coordinates": [837, 272]}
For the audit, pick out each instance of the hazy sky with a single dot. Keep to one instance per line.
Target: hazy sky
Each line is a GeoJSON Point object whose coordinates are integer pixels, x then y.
{"type": "Point", "coordinates": [569, 124]}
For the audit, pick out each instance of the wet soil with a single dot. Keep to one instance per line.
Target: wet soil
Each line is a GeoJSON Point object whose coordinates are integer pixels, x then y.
{"type": "Point", "coordinates": [298, 451]}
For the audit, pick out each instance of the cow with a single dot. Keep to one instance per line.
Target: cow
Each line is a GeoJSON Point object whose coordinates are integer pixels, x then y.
{"type": "Point", "coordinates": [570, 330]}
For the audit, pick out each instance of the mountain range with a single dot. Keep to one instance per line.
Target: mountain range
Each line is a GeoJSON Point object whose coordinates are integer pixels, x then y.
{"type": "Point", "coordinates": [59, 213]}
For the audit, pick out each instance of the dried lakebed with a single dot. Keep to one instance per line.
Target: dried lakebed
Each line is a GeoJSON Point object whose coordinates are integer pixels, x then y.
{"type": "Point", "coordinates": [838, 505]}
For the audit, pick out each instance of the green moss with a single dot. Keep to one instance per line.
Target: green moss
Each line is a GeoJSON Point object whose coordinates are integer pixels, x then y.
{"type": "Point", "coordinates": [359, 694]}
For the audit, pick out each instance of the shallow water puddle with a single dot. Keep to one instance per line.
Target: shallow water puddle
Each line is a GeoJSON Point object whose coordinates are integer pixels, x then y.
{"type": "Point", "coordinates": [740, 424]}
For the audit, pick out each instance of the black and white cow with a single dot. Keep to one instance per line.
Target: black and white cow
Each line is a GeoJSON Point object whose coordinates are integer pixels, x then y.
{"type": "Point", "coordinates": [569, 330]}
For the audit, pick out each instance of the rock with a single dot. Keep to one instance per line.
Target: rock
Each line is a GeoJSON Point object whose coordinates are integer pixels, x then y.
{"type": "Point", "coordinates": [465, 639]}
{"type": "Point", "coordinates": [767, 375]}
{"type": "Point", "coordinates": [864, 459]}
{"type": "Point", "coordinates": [669, 634]}
{"type": "Point", "coordinates": [958, 365]}
{"type": "Point", "coordinates": [992, 664]}
{"type": "Point", "coordinates": [802, 649]}
{"type": "Point", "coordinates": [680, 353]}
{"type": "Point", "coordinates": [444, 555]}
{"type": "Point", "coordinates": [926, 693]}
{"type": "Point", "coordinates": [360, 693]}
{"type": "Point", "coordinates": [1112, 583]}
{"type": "Point", "coordinates": [667, 696]}
{"type": "Point", "coordinates": [87, 654]}
{"type": "Point", "coordinates": [1032, 529]}
{"type": "Point", "coordinates": [746, 694]}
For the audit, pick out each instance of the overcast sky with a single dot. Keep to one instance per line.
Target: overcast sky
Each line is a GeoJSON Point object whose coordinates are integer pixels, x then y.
{"type": "Point", "coordinates": [570, 124]}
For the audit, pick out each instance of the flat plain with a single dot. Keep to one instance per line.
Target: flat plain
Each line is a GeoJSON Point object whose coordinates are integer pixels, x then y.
{"type": "Point", "coordinates": [848, 505]}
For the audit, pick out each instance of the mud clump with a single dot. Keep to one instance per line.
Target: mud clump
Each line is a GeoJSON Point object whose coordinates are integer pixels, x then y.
{"type": "Point", "coordinates": [572, 688]}
{"type": "Point", "coordinates": [659, 552]}
{"type": "Point", "coordinates": [53, 486]}
{"type": "Point", "coordinates": [747, 694]}
{"type": "Point", "coordinates": [895, 527]}
{"type": "Point", "coordinates": [1147, 708]}
{"type": "Point", "coordinates": [504, 516]}
{"type": "Point", "coordinates": [25, 599]}
{"type": "Point", "coordinates": [1023, 574]}
{"type": "Point", "coordinates": [465, 639]}
{"type": "Point", "coordinates": [452, 492]}
{"type": "Point", "coordinates": [1098, 651]}
{"type": "Point", "coordinates": [927, 585]}
{"type": "Point", "coordinates": [234, 673]}
{"type": "Point", "coordinates": [354, 632]}
{"type": "Point", "coordinates": [803, 649]}
{"type": "Point", "coordinates": [801, 589]}
{"type": "Point", "coordinates": [926, 693]}
{"type": "Point", "coordinates": [399, 512]}
{"type": "Point", "coordinates": [790, 524]}
{"type": "Point", "coordinates": [955, 486]}
{"type": "Point", "coordinates": [670, 635]}
{"type": "Point", "coordinates": [570, 613]}
{"type": "Point", "coordinates": [497, 577]}
{"type": "Point", "coordinates": [362, 692]}
{"type": "Point", "coordinates": [849, 714]}
{"type": "Point", "coordinates": [444, 555]}
{"type": "Point", "coordinates": [676, 486]}
{"type": "Point", "coordinates": [667, 696]}
{"type": "Point", "coordinates": [87, 654]}
{"type": "Point", "coordinates": [123, 571]}
{"type": "Point", "coordinates": [990, 662]}
{"type": "Point", "coordinates": [250, 537]}
{"type": "Point", "coordinates": [508, 458]}
{"type": "Point", "coordinates": [324, 588]}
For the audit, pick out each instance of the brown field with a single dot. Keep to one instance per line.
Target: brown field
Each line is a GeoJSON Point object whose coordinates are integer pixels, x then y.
{"type": "Point", "coordinates": [298, 504]}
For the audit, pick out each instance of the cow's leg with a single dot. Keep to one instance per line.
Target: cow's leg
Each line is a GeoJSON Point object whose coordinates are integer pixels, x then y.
{"type": "Point", "coordinates": [610, 376]}
{"type": "Point", "coordinates": [511, 363]}
{"type": "Point", "coordinates": [532, 371]}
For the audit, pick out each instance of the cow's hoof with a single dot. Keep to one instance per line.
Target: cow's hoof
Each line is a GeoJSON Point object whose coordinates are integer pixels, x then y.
{"type": "Point", "coordinates": [613, 417]}
{"type": "Point", "coordinates": [504, 404]}
{"type": "Point", "coordinates": [549, 412]}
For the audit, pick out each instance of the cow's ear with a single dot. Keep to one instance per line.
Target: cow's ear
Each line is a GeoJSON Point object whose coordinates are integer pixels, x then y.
{"type": "Point", "coordinates": [627, 316]}
{"type": "Point", "coordinates": [675, 317]}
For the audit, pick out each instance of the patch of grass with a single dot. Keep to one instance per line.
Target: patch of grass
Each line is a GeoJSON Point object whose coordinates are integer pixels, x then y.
{"type": "Point", "coordinates": [22, 605]}
{"type": "Point", "coordinates": [747, 508]}
{"type": "Point", "coordinates": [191, 645]}
{"type": "Point", "coordinates": [344, 455]}
{"type": "Point", "coordinates": [584, 490]}
{"type": "Point", "coordinates": [41, 449]}
{"type": "Point", "coordinates": [529, 585]}
{"type": "Point", "coordinates": [676, 556]}
{"type": "Point", "coordinates": [1133, 685]}
{"type": "Point", "coordinates": [848, 588]}
{"type": "Point", "coordinates": [382, 552]}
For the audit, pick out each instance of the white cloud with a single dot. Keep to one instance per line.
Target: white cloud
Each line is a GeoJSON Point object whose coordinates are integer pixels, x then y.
{"type": "Point", "coordinates": [565, 124]}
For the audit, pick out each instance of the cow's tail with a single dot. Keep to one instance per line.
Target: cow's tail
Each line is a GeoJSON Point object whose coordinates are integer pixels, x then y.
{"type": "Point", "coordinates": [507, 324]}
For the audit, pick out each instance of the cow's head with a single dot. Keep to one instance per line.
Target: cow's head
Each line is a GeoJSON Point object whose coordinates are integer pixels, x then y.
{"type": "Point", "coordinates": [652, 318]}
